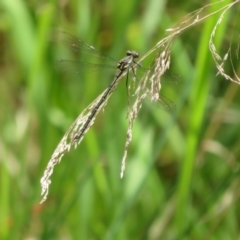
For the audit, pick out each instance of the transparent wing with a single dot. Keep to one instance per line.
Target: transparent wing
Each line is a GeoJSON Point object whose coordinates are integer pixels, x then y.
{"type": "Point", "coordinates": [137, 87]}
{"type": "Point", "coordinates": [170, 77]}
{"type": "Point", "coordinates": [84, 50]}
{"type": "Point", "coordinates": [167, 77]}
{"type": "Point", "coordinates": [163, 103]}
{"type": "Point", "coordinates": [77, 67]}
{"type": "Point", "coordinates": [78, 45]}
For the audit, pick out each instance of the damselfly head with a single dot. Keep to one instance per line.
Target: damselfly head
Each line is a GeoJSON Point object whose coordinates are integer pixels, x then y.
{"type": "Point", "coordinates": [132, 53]}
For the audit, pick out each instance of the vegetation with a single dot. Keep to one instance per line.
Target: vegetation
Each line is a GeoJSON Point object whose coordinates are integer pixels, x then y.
{"type": "Point", "coordinates": [182, 172]}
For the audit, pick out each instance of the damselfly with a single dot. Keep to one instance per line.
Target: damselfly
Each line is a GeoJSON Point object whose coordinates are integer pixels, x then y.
{"type": "Point", "coordinates": [85, 120]}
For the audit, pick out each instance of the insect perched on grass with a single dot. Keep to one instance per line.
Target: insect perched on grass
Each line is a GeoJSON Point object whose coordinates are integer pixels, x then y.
{"type": "Point", "coordinates": [85, 120]}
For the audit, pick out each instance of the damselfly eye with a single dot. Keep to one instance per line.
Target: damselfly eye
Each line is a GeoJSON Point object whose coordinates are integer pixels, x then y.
{"type": "Point", "coordinates": [135, 54]}
{"type": "Point", "coordinates": [129, 53]}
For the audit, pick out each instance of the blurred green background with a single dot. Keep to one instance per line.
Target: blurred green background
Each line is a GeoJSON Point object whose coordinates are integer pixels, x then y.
{"type": "Point", "coordinates": [182, 172]}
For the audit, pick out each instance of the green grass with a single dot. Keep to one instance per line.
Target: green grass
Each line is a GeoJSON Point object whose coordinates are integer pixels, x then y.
{"type": "Point", "coordinates": [182, 173]}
